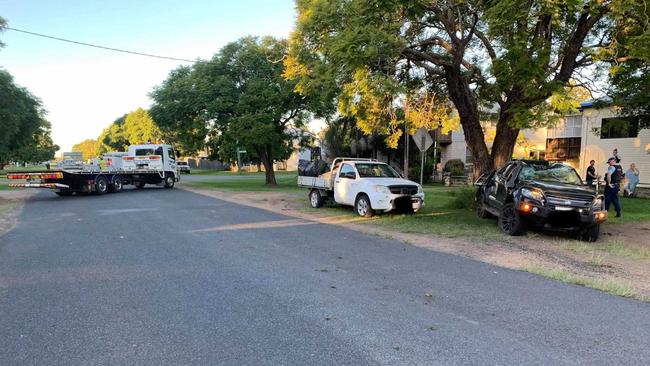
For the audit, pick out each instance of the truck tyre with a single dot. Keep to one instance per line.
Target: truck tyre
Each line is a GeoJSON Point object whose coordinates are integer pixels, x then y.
{"type": "Point", "coordinates": [362, 206]}
{"type": "Point", "coordinates": [510, 222]}
{"type": "Point", "coordinates": [101, 185]}
{"type": "Point", "coordinates": [139, 184]}
{"type": "Point", "coordinates": [480, 208]}
{"type": "Point", "coordinates": [117, 185]}
{"type": "Point", "coordinates": [590, 234]}
{"type": "Point", "coordinates": [315, 199]}
{"type": "Point", "coordinates": [169, 181]}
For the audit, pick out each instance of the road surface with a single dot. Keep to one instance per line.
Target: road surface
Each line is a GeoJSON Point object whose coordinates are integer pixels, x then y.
{"type": "Point", "coordinates": [168, 277]}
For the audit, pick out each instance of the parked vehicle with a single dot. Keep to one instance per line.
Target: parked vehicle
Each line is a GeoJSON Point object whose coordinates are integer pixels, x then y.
{"type": "Point", "coordinates": [368, 185]}
{"type": "Point", "coordinates": [524, 194]}
{"type": "Point", "coordinates": [142, 164]}
{"type": "Point", "coordinates": [183, 167]}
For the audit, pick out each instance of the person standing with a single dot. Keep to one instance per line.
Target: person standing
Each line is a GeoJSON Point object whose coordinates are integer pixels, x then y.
{"type": "Point", "coordinates": [591, 173]}
{"type": "Point", "coordinates": [632, 177]}
{"type": "Point", "coordinates": [618, 158]}
{"type": "Point", "coordinates": [612, 185]}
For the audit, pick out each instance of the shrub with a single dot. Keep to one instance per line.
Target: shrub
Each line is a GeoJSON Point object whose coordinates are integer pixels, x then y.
{"type": "Point", "coordinates": [414, 171]}
{"type": "Point", "coordinates": [462, 198]}
{"type": "Point", "coordinates": [454, 165]}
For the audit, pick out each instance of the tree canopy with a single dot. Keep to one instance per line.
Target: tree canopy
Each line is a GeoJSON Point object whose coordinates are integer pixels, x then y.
{"type": "Point", "coordinates": [88, 148]}
{"type": "Point", "coordinates": [24, 132]}
{"type": "Point", "coordinates": [507, 54]}
{"type": "Point", "coordinates": [238, 99]}
{"type": "Point", "coordinates": [132, 128]}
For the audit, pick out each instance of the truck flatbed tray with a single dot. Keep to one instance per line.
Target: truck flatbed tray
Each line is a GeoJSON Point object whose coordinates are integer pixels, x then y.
{"type": "Point", "coordinates": [314, 182]}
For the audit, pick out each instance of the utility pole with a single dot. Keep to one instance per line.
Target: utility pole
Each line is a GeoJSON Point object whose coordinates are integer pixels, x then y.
{"type": "Point", "coordinates": [406, 151]}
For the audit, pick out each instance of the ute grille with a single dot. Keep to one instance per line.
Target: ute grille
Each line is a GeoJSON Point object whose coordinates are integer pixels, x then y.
{"type": "Point", "coordinates": [410, 190]}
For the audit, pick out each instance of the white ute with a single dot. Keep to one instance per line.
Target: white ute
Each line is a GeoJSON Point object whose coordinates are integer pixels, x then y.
{"type": "Point", "coordinates": [366, 184]}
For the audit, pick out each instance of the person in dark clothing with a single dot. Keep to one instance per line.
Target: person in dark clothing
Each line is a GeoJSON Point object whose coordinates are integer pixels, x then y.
{"type": "Point", "coordinates": [618, 158]}
{"type": "Point", "coordinates": [591, 173]}
{"type": "Point", "coordinates": [613, 179]}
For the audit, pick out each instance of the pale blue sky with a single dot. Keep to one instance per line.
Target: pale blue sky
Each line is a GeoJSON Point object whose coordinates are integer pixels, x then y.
{"type": "Point", "coordinates": [84, 89]}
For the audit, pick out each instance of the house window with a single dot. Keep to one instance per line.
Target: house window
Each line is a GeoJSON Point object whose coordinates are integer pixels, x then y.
{"type": "Point", "coordinates": [569, 126]}
{"type": "Point", "coordinates": [563, 148]}
{"type": "Point", "coordinates": [620, 127]}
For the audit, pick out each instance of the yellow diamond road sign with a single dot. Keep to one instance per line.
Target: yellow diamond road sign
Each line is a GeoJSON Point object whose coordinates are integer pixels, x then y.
{"type": "Point", "coordinates": [423, 139]}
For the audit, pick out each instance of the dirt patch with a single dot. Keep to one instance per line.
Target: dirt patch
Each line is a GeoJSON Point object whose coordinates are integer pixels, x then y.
{"type": "Point", "coordinates": [10, 203]}
{"type": "Point", "coordinates": [598, 261]}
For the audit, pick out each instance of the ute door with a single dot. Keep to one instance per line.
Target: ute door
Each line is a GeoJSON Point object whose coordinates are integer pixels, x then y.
{"type": "Point", "coordinates": [343, 185]}
{"type": "Point", "coordinates": [500, 191]}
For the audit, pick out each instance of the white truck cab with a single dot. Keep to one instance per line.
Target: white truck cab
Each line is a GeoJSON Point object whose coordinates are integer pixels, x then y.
{"type": "Point", "coordinates": [150, 156]}
{"type": "Point", "coordinates": [366, 184]}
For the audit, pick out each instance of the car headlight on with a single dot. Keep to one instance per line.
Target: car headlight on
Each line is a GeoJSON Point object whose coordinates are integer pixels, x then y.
{"type": "Point", "coordinates": [533, 194]}
{"type": "Point", "coordinates": [381, 189]}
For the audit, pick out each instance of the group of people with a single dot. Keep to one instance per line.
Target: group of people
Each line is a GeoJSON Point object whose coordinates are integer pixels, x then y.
{"type": "Point", "coordinates": [613, 178]}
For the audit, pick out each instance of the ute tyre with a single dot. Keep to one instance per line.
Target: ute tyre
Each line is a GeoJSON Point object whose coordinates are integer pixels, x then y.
{"type": "Point", "coordinates": [169, 181]}
{"type": "Point", "coordinates": [510, 222]}
{"type": "Point", "coordinates": [315, 199]}
{"type": "Point", "coordinates": [590, 234]}
{"type": "Point", "coordinates": [117, 185]}
{"type": "Point", "coordinates": [362, 206]}
{"type": "Point", "coordinates": [101, 185]}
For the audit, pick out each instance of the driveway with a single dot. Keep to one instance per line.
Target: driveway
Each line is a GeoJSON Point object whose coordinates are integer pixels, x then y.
{"type": "Point", "coordinates": [168, 277]}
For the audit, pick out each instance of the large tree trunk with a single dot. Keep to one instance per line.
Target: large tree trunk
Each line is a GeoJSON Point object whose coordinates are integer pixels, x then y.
{"type": "Point", "coordinates": [505, 138]}
{"type": "Point", "coordinates": [268, 166]}
{"type": "Point", "coordinates": [465, 103]}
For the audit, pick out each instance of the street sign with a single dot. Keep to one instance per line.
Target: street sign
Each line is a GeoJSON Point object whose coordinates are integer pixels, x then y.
{"type": "Point", "coordinates": [422, 139]}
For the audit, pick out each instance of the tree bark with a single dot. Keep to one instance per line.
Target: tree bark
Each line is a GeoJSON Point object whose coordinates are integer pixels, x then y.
{"type": "Point", "coordinates": [269, 174]}
{"type": "Point", "coordinates": [465, 103]}
{"type": "Point", "coordinates": [505, 138]}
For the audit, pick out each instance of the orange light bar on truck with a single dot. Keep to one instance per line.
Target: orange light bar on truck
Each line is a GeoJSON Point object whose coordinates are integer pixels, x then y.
{"type": "Point", "coordinates": [127, 158]}
{"type": "Point", "coordinates": [54, 175]}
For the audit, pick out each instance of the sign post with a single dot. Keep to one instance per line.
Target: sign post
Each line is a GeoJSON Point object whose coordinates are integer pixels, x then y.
{"type": "Point", "coordinates": [423, 141]}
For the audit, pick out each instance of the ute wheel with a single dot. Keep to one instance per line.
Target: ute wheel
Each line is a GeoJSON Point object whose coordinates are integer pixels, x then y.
{"type": "Point", "coordinates": [362, 206]}
{"type": "Point", "coordinates": [315, 199]}
{"type": "Point", "coordinates": [101, 185]}
{"type": "Point", "coordinates": [590, 234]}
{"type": "Point", "coordinates": [117, 185]}
{"type": "Point", "coordinates": [169, 181]}
{"type": "Point", "coordinates": [139, 184]}
{"type": "Point", "coordinates": [510, 222]}
{"type": "Point", "coordinates": [480, 208]}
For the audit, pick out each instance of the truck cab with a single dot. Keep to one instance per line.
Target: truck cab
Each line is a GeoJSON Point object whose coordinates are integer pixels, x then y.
{"type": "Point", "coordinates": [367, 185]}
{"type": "Point", "coordinates": [150, 156]}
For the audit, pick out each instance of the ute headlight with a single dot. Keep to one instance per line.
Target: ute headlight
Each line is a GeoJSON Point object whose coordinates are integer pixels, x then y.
{"type": "Point", "coordinates": [533, 194]}
{"type": "Point", "coordinates": [598, 203]}
{"type": "Point", "coordinates": [381, 189]}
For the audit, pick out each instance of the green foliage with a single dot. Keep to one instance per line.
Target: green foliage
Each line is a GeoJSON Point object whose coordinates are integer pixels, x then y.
{"type": "Point", "coordinates": [239, 98]}
{"type": "Point", "coordinates": [462, 198]}
{"type": "Point", "coordinates": [88, 148]}
{"type": "Point", "coordinates": [454, 165]}
{"type": "Point", "coordinates": [24, 133]}
{"type": "Point", "coordinates": [416, 167]}
{"type": "Point", "coordinates": [136, 127]}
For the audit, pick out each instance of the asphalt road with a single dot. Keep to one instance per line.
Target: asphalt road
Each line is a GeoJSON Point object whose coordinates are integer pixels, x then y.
{"type": "Point", "coordinates": [167, 277]}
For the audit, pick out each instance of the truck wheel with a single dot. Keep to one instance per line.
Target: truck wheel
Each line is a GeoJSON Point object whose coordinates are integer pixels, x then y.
{"type": "Point", "coordinates": [590, 234]}
{"type": "Point", "coordinates": [315, 199]}
{"type": "Point", "coordinates": [101, 185]}
{"type": "Point", "coordinates": [169, 181]}
{"type": "Point", "coordinates": [362, 206]}
{"type": "Point", "coordinates": [138, 184]}
{"type": "Point", "coordinates": [510, 222]}
{"type": "Point", "coordinates": [480, 208]}
{"type": "Point", "coordinates": [117, 185]}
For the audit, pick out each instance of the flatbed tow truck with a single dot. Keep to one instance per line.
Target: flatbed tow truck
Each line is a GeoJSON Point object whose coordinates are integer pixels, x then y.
{"type": "Point", "coordinates": [141, 165]}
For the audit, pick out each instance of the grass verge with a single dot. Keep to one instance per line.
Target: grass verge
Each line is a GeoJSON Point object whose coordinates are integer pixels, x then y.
{"type": "Point", "coordinates": [252, 182]}
{"type": "Point", "coordinates": [611, 287]}
{"type": "Point", "coordinates": [614, 247]}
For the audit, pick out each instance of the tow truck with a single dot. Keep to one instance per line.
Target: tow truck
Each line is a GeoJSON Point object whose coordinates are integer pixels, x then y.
{"type": "Point", "coordinates": [140, 165]}
{"type": "Point", "coordinates": [366, 184]}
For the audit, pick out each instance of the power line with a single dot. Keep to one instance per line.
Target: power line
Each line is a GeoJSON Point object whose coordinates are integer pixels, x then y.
{"type": "Point", "coordinates": [97, 46]}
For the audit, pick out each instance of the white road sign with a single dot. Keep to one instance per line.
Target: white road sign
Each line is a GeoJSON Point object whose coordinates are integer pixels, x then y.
{"type": "Point", "coordinates": [423, 139]}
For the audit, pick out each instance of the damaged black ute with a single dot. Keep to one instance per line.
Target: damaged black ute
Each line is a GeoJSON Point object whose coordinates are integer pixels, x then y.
{"type": "Point", "coordinates": [524, 194]}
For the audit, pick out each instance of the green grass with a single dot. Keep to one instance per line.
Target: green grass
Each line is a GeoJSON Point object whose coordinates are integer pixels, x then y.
{"type": "Point", "coordinates": [614, 247]}
{"type": "Point", "coordinates": [254, 182]}
{"type": "Point", "coordinates": [230, 173]}
{"type": "Point", "coordinates": [632, 210]}
{"type": "Point", "coordinates": [611, 287]}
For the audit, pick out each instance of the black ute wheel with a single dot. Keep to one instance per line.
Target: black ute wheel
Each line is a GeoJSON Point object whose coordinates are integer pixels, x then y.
{"type": "Point", "coordinates": [101, 185]}
{"type": "Point", "coordinates": [362, 206]}
{"type": "Point", "coordinates": [590, 234]}
{"type": "Point", "coordinates": [315, 199]}
{"type": "Point", "coordinates": [510, 222]}
{"type": "Point", "coordinates": [117, 184]}
{"type": "Point", "coordinates": [169, 181]}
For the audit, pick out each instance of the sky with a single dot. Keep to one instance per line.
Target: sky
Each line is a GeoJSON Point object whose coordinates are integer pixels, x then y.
{"type": "Point", "coordinates": [85, 89]}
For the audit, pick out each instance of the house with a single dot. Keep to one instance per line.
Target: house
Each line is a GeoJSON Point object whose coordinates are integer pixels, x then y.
{"type": "Point", "coordinates": [593, 134]}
